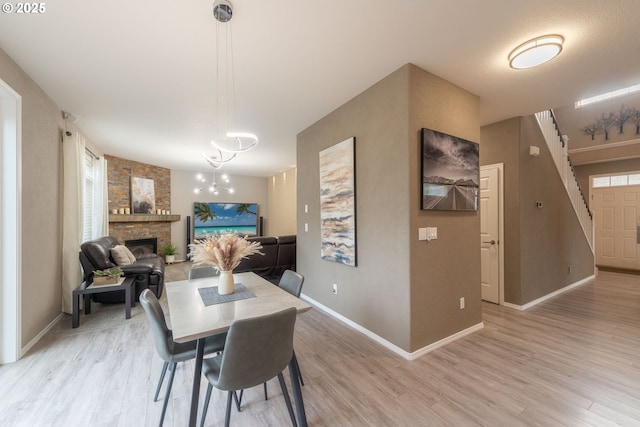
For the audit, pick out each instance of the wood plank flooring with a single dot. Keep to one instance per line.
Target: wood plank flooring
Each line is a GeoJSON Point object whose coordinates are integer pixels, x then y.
{"type": "Point", "coordinates": [571, 361]}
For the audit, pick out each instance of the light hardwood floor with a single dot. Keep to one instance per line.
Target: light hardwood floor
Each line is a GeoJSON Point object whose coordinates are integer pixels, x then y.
{"type": "Point", "coordinates": [571, 361]}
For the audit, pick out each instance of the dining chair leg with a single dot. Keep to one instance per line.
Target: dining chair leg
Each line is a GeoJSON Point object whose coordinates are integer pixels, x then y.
{"type": "Point", "coordinates": [265, 391]}
{"type": "Point", "coordinates": [238, 400]}
{"type": "Point", "coordinates": [287, 399]}
{"type": "Point", "coordinates": [164, 371]}
{"type": "Point", "coordinates": [295, 359]}
{"type": "Point", "coordinates": [172, 373]}
{"type": "Point", "coordinates": [207, 397]}
{"type": "Point", "coordinates": [227, 415]}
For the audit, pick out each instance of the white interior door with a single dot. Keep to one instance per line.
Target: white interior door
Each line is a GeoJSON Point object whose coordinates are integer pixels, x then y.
{"type": "Point", "coordinates": [490, 229]}
{"type": "Point", "coordinates": [616, 221]}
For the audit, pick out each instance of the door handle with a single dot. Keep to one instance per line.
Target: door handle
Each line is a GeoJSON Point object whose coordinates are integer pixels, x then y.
{"type": "Point", "coordinates": [492, 242]}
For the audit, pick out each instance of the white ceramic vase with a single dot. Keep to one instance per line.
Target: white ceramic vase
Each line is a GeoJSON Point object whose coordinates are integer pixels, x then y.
{"type": "Point", "coordinates": [225, 283]}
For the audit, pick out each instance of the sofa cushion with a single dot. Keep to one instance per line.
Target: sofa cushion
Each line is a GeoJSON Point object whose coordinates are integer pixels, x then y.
{"type": "Point", "coordinates": [122, 255]}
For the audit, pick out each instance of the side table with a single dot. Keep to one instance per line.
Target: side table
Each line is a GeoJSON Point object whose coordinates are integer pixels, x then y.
{"type": "Point", "coordinates": [87, 289]}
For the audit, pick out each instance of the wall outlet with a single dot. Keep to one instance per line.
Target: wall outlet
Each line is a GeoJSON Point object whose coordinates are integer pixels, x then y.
{"type": "Point", "coordinates": [334, 288]}
{"type": "Point", "coordinates": [462, 303]}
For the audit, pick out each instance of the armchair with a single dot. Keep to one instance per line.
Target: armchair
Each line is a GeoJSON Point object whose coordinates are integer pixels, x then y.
{"type": "Point", "coordinates": [147, 270]}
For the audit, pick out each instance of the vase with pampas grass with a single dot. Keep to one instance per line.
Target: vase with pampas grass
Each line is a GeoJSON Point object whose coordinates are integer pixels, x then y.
{"type": "Point", "coordinates": [224, 252]}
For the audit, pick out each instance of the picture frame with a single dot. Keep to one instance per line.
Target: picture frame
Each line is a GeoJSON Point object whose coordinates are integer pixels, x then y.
{"type": "Point", "coordinates": [450, 172]}
{"type": "Point", "coordinates": [338, 203]}
{"type": "Point", "coordinates": [143, 200]}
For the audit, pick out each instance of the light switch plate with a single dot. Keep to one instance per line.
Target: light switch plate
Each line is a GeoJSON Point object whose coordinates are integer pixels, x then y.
{"type": "Point", "coordinates": [432, 233]}
{"type": "Point", "coordinates": [422, 234]}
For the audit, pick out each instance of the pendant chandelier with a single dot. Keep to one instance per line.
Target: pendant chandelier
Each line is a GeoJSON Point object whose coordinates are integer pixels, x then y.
{"type": "Point", "coordinates": [228, 141]}
{"type": "Point", "coordinates": [214, 186]}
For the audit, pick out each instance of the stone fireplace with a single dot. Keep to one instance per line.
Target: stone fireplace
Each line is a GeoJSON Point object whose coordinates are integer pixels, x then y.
{"type": "Point", "coordinates": [131, 227]}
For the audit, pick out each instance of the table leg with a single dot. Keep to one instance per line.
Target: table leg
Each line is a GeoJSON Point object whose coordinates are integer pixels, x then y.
{"type": "Point", "coordinates": [297, 393]}
{"type": "Point", "coordinates": [75, 317]}
{"type": "Point", "coordinates": [195, 393]}
{"type": "Point", "coordinates": [87, 304]}
{"type": "Point", "coordinates": [127, 297]}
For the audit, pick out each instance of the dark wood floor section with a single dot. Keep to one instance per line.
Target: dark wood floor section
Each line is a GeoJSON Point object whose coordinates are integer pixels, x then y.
{"type": "Point", "coordinates": [571, 361]}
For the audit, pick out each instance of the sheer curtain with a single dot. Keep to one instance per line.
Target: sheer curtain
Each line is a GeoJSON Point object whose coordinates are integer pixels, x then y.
{"type": "Point", "coordinates": [96, 207]}
{"type": "Point", "coordinates": [73, 149]}
{"type": "Point", "coordinates": [100, 211]}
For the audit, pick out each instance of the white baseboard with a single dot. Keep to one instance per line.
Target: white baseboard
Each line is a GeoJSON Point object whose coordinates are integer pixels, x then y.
{"type": "Point", "coordinates": [24, 350]}
{"type": "Point", "coordinates": [548, 296]}
{"type": "Point", "coordinates": [405, 354]}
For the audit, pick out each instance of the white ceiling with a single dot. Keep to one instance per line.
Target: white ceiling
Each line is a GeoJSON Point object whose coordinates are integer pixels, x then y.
{"type": "Point", "coordinates": [139, 74]}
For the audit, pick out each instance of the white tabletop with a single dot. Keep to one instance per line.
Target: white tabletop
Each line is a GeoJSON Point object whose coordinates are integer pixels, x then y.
{"type": "Point", "coordinates": [191, 319]}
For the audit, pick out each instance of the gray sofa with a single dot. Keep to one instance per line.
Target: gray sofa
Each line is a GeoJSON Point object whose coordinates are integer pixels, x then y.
{"type": "Point", "coordinates": [148, 270]}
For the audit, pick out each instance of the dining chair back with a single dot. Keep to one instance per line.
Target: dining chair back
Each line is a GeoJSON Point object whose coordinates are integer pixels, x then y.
{"type": "Point", "coordinates": [170, 351]}
{"type": "Point", "coordinates": [256, 350]}
{"type": "Point", "coordinates": [199, 272]}
{"type": "Point", "coordinates": [291, 281]}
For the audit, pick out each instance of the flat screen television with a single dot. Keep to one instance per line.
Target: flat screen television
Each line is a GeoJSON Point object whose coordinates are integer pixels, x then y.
{"type": "Point", "coordinates": [223, 218]}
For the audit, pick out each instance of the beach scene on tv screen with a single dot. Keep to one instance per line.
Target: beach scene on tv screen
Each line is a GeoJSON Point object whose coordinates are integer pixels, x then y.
{"type": "Point", "coordinates": [223, 218]}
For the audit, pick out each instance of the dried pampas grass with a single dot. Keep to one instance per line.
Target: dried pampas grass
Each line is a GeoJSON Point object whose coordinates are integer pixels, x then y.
{"type": "Point", "coordinates": [224, 251]}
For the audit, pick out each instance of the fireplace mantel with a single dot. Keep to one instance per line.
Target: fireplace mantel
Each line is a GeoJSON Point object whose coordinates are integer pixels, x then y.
{"type": "Point", "coordinates": [143, 218]}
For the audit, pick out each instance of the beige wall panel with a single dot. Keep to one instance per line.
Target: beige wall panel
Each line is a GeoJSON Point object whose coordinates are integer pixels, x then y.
{"type": "Point", "coordinates": [42, 124]}
{"type": "Point", "coordinates": [446, 269]}
{"type": "Point", "coordinates": [281, 196]}
{"type": "Point", "coordinates": [551, 237]}
{"type": "Point", "coordinates": [375, 294]}
{"type": "Point", "coordinates": [500, 143]}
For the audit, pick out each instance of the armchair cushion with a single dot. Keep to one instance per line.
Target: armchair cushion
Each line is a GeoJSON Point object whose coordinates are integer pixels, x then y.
{"type": "Point", "coordinates": [122, 255]}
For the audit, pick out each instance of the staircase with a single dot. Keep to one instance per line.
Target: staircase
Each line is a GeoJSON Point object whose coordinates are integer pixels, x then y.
{"type": "Point", "coordinates": [558, 149]}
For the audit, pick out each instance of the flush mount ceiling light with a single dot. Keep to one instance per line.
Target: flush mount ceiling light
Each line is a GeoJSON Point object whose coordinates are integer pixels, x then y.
{"type": "Point", "coordinates": [536, 52]}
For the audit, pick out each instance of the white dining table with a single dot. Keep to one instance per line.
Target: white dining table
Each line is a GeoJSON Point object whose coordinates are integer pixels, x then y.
{"type": "Point", "coordinates": [191, 320]}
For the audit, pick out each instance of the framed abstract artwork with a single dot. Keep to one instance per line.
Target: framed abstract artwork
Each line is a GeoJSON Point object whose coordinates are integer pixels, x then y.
{"type": "Point", "coordinates": [338, 203]}
{"type": "Point", "coordinates": [450, 172]}
{"type": "Point", "coordinates": [143, 199]}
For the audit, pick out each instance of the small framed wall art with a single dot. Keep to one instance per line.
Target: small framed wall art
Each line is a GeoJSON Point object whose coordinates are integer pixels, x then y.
{"type": "Point", "coordinates": [143, 199]}
{"type": "Point", "coordinates": [450, 172]}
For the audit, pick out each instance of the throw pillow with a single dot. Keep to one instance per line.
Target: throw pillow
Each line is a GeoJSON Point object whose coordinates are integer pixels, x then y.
{"type": "Point", "coordinates": [120, 255]}
{"type": "Point", "coordinates": [130, 254]}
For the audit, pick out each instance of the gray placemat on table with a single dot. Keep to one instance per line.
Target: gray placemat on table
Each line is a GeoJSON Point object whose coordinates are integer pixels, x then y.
{"type": "Point", "coordinates": [210, 295]}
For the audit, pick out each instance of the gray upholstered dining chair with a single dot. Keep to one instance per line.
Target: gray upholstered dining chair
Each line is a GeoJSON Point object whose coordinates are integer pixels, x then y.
{"type": "Point", "coordinates": [199, 272]}
{"type": "Point", "coordinates": [290, 281]}
{"type": "Point", "coordinates": [171, 352]}
{"type": "Point", "coordinates": [256, 350]}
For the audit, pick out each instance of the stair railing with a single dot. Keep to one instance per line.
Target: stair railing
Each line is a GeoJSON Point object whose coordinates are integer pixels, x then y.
{"type": "Point", "coordinates": [559, 152]}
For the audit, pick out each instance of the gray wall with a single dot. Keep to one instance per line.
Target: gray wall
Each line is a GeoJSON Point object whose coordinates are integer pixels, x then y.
{"type": "Point", "coordinates": [41, 202]}
{"type": "Point", "coordinates": [402, 290]}
{"type": "Point", "coordinates": [540, 243]}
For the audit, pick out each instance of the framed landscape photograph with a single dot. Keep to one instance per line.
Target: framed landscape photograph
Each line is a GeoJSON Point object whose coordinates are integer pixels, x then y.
{"type": "Point", "coordinates": [338, 203]}
{"type": "Point", "coordinates": [450, 172]}
{"type": "Point", "coordinates": [143, 198]}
